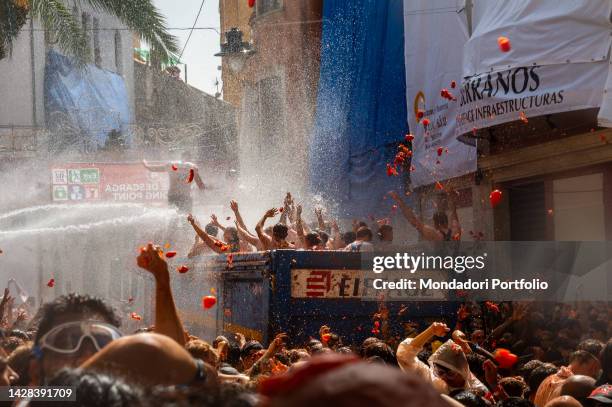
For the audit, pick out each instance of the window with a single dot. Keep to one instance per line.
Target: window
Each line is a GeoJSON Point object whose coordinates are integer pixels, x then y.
{"type": "Point", "coordinates": [118, 52]}
{"type": "Point", "coordinates": [96, 42]}
{"type": "Point", "coordinates": [266, 6]}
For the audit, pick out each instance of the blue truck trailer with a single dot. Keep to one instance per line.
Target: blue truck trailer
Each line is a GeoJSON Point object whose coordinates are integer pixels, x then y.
{"type": "Point", "coordinates": [296, 292]}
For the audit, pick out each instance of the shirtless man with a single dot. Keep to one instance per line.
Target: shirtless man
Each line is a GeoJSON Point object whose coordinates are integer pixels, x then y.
{"type": "Point", "coordinates": [441, 229]}
{"type": "Point", "coordinates": [179, 191]}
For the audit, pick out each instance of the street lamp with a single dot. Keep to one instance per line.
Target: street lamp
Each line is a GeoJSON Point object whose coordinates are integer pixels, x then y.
{"type": "Point", "coordinates": [236, 50]}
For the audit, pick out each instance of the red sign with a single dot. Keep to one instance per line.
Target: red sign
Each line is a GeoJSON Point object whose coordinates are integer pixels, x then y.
{"type": "Point", "coordinates": [75, 182]}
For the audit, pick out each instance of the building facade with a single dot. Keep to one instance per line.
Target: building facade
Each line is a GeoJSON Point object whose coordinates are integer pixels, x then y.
{"type": "Point", "coordinates": [23, 73]}
{"type": "Point", "coordinates": [172, 117]}
{"type": "Point", "coordinates": [555, 174]}
{"type": "Point", "coordinates": [276, 90]}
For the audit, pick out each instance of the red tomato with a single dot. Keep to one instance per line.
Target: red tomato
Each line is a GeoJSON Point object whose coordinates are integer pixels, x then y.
{"type": "Point", "coordinates": [182, 269]}
{"type": "Point", "coordinates": [504, 44]}
{"type": "Point", "coordinates": [209, 301]}
{"type": "Point", "coordinates": [495, 197]}
{"type": "Point", "coordinates": [191, 176]}
{"type": "Point", "coordinates": [170, 254]}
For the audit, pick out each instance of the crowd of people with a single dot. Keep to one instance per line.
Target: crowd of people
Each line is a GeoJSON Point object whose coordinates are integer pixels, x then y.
{"type": "Point", "coordinates": [537, 354]}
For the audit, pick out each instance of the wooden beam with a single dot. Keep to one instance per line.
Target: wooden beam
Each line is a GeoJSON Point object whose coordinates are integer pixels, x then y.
{"type": "Point", "coordinates": [559, 155]}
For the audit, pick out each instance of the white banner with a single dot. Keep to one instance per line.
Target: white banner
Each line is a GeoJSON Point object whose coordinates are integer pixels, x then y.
{"type": "Point", "coordinates": [558, 60]}
{"type": "Point", "coordinates": [435, 32]}
{"type": "Point", "coordinates": [522, 92]}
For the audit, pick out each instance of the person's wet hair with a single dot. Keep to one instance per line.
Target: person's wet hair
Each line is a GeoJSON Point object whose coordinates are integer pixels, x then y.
{"type": "Point", "coordinates": [280, 231]}
{"type": "Point", "coordinates": [211, 230]}
{"type": "Point", "coordinates": [367, 342]}
{"type": "Point", "coordinates": [324, 236]}
{"type": "Point", "coordinates": [381, 350]}
{"type": "Point", "coordinates": [592, 346]}
{"type": "Point", "coordinates": [514, 386]}
{"type": "Point", "coordinates": [469, 399]}
{"type": "Point", "coordinates": [424, 356]}
{"type": "Point", "coordinates": [364, 233]}
{"type": "Point", "coordinates": [540, 373]}
{"type": "Point", "coordinates": [200, 349]}
{"type": "Point", "coordinates": [83, 306]}
{"type": "Point", "coordinates": [312, 239]}
{"type": "Point", "coordinates": [228, 395]}
{"type": "Point", "coordinates": [349, 237]}
{"type": "Point", "coordinates": [98, 390]}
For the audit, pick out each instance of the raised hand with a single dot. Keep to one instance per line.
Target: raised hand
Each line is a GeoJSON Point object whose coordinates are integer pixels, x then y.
{"type": "Point", "coordinates": [334, 226]}
{"type": "Point", "coordinates": [439, 329]}
{"type": "Point", "coordinates": [271, 213]}
{"type": "Point", "coordinates": [234, 206]}
{"type": "Point", "coordinates": [214, 220]}
{"type": "Point", "coordinates": [278, 342]}
{"type": "Point", "coordinates": [151, 259]}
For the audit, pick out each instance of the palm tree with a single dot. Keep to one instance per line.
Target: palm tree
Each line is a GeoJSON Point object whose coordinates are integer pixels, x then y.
{"type": "Point", "coordinates": [140, 16]}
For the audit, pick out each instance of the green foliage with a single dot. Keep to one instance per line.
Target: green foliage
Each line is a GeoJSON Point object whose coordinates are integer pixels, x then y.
{"type": "Point", "coordinates": [140, 16]}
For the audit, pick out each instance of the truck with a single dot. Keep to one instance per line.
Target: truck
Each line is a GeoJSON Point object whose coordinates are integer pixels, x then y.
{"type": "Point", "coordinates": [296, 292]}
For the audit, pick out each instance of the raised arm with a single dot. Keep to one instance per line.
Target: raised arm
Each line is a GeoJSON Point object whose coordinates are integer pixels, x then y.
{"type": "Point", "coordinates": [206, 238]}
{"type": "Point", "coordinates": [167, 321]}
{"type": "Point", "coordinates": [336, 238]}
{"type": "Point", "coordinates": [274, 347]}
{"type": "Point", "coordinates": [265, 240]}
{"type": "Point", "coordinates": [299, 226]}
{"type": "Point", "coordinates": [319, 214]}
{"type": "Point", "coordinates": [215, 221]}
{"type": "Point", "coordinates": [409, 348]}
{"type": "Point", "coordinates": [238, 216]}
{"type": "Point", "coordinates": [246, 236]}
{"type": "Point", "coordinates": [156, 167]}
{"type": "Point", "coordinates": [428, 232]}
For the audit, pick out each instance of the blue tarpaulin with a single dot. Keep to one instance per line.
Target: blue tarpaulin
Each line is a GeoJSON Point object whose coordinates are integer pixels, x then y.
{"type": "Point", "coordinates": [86, 100]}
{"type": "Point", "coordinates": [361, 105]}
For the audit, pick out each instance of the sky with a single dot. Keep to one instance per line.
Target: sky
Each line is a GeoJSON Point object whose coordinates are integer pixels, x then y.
{"type": "Point", "coordinates": [201, 64]}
